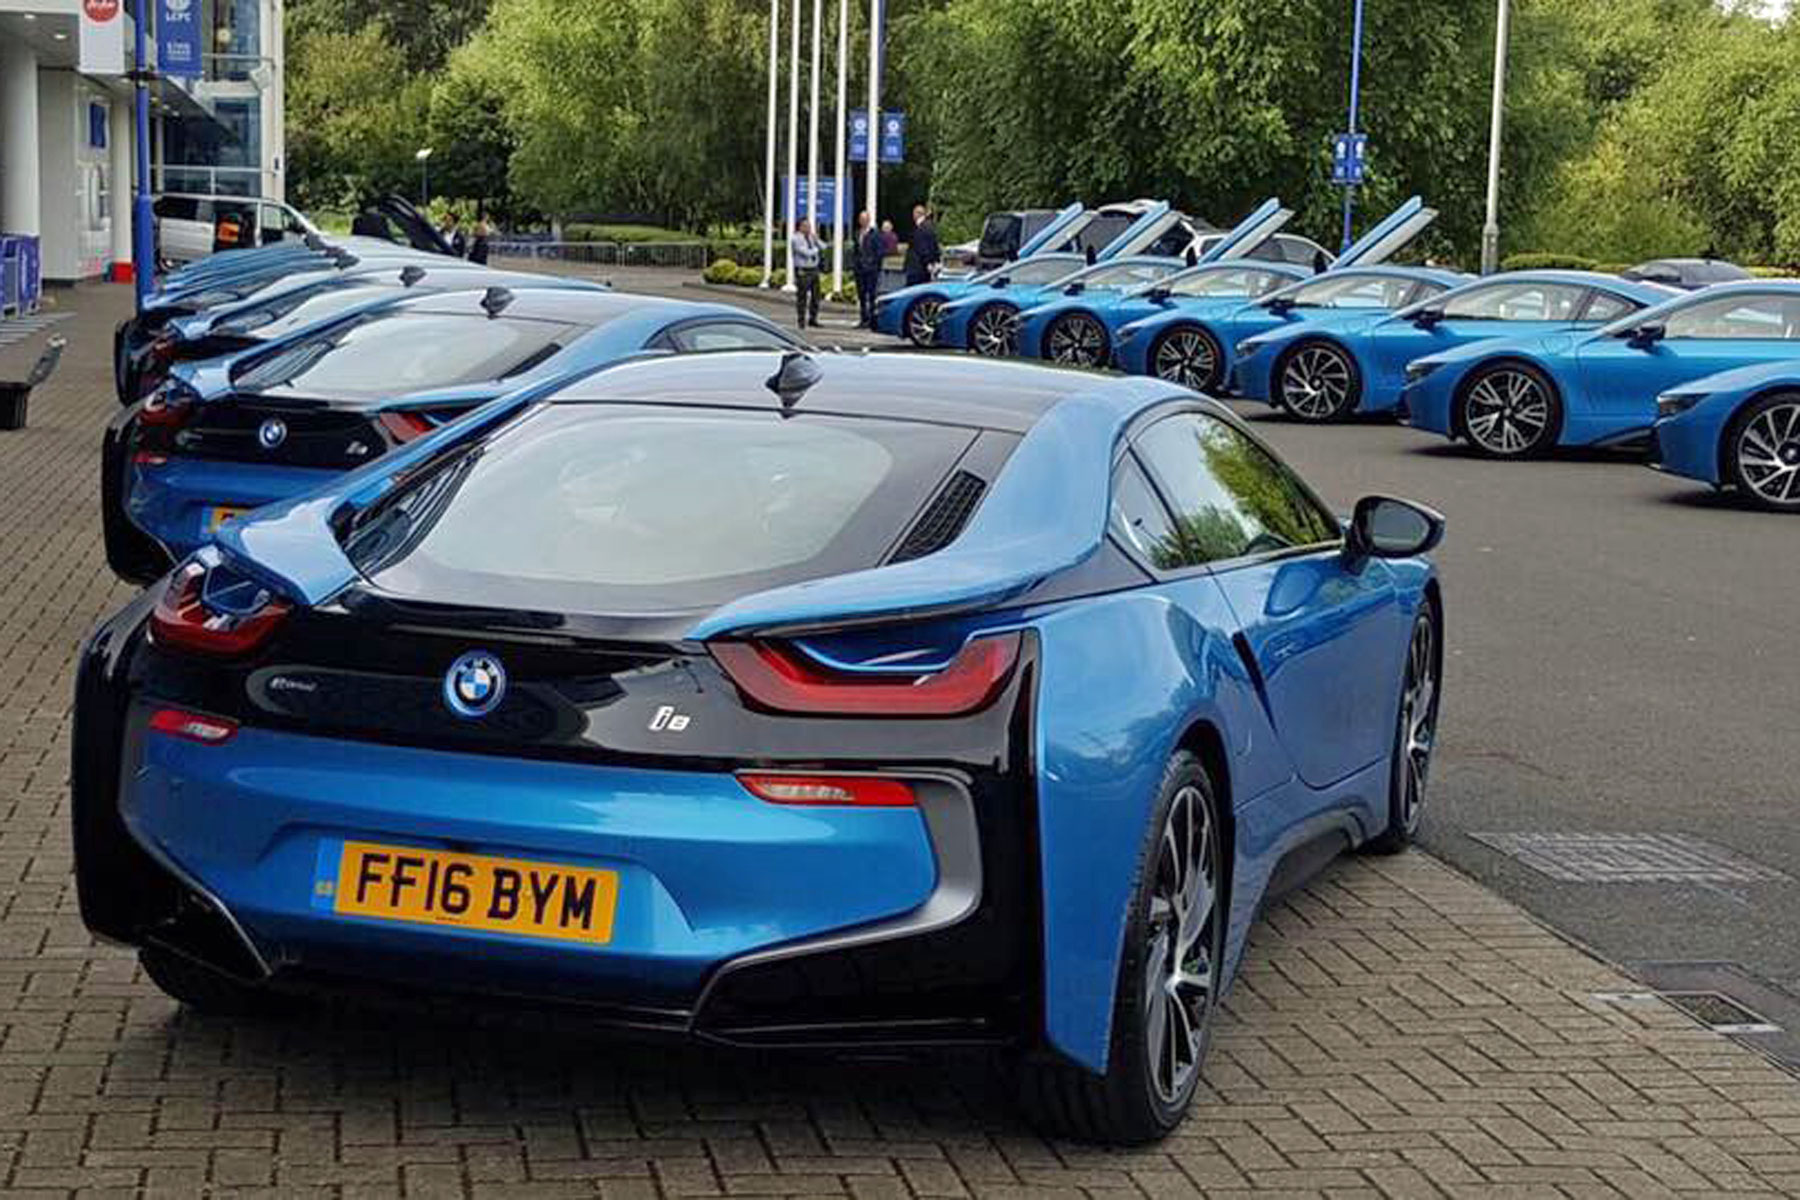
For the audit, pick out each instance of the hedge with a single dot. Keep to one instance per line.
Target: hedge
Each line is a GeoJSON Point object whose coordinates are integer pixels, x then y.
{"type": "Point", "coordinates": [1547, 262]}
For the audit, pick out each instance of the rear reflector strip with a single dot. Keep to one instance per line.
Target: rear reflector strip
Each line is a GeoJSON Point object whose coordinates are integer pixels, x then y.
{"type": "Point", "coordinates": [192, 727]}
{"type": "Point", "coordinates": [857, 791]}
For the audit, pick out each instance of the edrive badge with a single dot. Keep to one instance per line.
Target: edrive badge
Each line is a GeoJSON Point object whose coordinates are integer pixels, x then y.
{"type": "Point", "coordinates": [474, 684]}
{"type": "Point", "coordinates": [271, 433]}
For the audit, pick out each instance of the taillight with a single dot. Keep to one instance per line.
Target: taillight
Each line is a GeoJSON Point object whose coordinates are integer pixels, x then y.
{"type": "Point", "coordinates": [779, 677]}
{"type": "Point", "coordinates": [167, 407]}
{"type": "Point", "coordinates": [192, 727]}
{"type": "Point", "coordinates": [404, 427]}
{"type": "Point", "coordinates": [861, 791]}
{"type": "Point", "coordinates": [183, 618]}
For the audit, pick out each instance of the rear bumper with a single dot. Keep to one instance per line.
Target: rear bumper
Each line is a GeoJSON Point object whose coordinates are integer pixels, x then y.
{"type": "Point", "coordinates": [172, 502]}
{"type": "Point", "coordinates": [736, 920]}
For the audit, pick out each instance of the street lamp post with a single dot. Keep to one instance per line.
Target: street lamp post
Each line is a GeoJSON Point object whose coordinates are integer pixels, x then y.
{"type": "Point", "coordinates": [1490, 230]}
{"type": "Point", "coordinates": [1355, 95]}
{"type": "Point", "coordinates": [812, 120]}
{"type": "Point", "coordinates": [769, 166]}
{"type": "Point", "coordinates": [423, 154]}
{"type": "Point", "coordinates": [874, 147]}
{"type": "Point", "coordinates": [844, 205]}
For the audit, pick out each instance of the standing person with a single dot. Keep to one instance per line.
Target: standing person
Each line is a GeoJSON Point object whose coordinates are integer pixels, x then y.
{"type": "Point", "coordinates": [870, 250]}
{"type": "Point", "coordinates": [922, 253]}
{"type": "Point", "coordinates": [890, 241]}
{"type": "Point", "coordinates": [452, 234]}
{"type": "Point", "coordinates": [478, 245]}
{"type": "Point", "coordinates": [806, 252]}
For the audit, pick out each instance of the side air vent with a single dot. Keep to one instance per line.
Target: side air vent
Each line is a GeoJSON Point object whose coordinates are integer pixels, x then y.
{"type": "Point", "coordinates": [943, 519]}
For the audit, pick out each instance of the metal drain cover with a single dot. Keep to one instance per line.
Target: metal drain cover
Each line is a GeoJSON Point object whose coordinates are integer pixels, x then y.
{"type": "Point", "coordinates": [1629, 858]}
{"type": "Point", "coordinates": [1720, 1013]}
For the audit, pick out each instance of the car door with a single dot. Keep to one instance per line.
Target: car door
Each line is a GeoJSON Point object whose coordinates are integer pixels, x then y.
{"type": "Point", "coordinates": [1321, 635]}
{"type": "Point", "coordinates": [1623, 374]}
{"type": "Point", "coordinates": [1503, 308]}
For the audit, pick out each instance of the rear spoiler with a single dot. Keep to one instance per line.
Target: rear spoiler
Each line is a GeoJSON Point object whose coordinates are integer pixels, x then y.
{"type": "Point", "coordinates": [1046, 513]}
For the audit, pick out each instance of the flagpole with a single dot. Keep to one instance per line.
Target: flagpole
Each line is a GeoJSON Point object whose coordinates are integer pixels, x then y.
{"type": "Point", "coordinates": [769, 166]}
{"type": "Point", "coordinates": [812, 119]}
{"type": "Point", "coordinates": [793, 157]}
{"type": "Point", "coordinates": [874, 147]}
{"type": "Point", "coordinates": [845, 209]}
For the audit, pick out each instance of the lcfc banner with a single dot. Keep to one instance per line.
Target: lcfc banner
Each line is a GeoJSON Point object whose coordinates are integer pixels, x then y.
{"type": "Point", "coordinates": [178, 37]}
{"type": "Point", "coordinates": [102, 32]}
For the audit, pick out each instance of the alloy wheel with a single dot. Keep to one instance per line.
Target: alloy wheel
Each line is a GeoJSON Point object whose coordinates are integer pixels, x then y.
{"type": "Point", "coordinates": [922, 321]}
{"type": "Point", "coordinates": [1316, 382]}
{"type": "Point", "coordinates": [1507, 412]}
{"type": "Point", "coordinates": [1188, 357]}
{"type": "Point", "coordinates": [1179, 972]}
{"type": "Point", "coordinates": [1768, 455]}
{"type": "Point", "coordinates": [1077, 339]}
{"type": "Point", "coordinates": [1418, 721]}
{"type": "Point", "coordinates": [995, 331]}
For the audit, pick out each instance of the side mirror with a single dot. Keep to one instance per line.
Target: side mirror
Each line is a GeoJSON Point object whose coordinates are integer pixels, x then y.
{"type": "Point", "coordinates": [1425, 318]}
{"type": "Point", "coordinates": [1386, 527]}
{"type": "Point", "coordinates": [1279, 305]}
{"type": "Point", "coordinates": [1074, 289]}
{"type": "Point", "coordinates": [1645, 336]}
{"type": "Point", "coordinates": [998, 281]}
{"type": "Point", "coordinates": [1158, 294]}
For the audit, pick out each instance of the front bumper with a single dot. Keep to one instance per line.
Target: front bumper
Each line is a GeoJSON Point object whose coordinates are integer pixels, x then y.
{"type": "Point", "coordinates": [1427, 405]}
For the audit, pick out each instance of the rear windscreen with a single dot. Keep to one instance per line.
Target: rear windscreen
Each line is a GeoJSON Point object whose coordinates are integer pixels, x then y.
{"type": "Point", "coordinates": [628, 509]}
{"type": "Point", "coordinates": [300, 307]}
{"type": "Point", "coordinates": [398, 352]}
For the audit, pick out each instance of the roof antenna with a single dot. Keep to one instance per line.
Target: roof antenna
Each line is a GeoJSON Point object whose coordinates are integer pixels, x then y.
{"type": "Point", "coordinates": [495, 300]}
{"type": "Point", "coordinates": [410, 274]}
{"type": "Point", "coordinates": [797, 373]}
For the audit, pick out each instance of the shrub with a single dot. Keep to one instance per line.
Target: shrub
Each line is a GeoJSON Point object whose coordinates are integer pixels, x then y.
{"type": "Point", "coordinates": [722, 270]}
{"type": "Point", "coordinates": [1547, 262]}
{"type": "Point", "coordinates": [1773, 272]}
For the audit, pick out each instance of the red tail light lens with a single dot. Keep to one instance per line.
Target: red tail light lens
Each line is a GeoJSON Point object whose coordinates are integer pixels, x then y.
{"type": "Point", "coordinates": [778, 677]}
{"type": "Point", "coordinates": [858, 791]}
{"type": "Point", "coordinates": [404, 427]}
{"type": "Point", "coordinates": [183, 618]}
{"type": "Point", "coordinates": [167, 407]}
{"type": "Point", "coordinates": [192, 727]}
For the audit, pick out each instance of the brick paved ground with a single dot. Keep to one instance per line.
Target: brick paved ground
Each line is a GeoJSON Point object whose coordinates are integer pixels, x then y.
{"type": "Point", "coordinates": [1398, 1030]}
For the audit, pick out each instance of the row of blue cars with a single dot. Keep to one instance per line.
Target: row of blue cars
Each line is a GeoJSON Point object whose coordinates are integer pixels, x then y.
{"type": "Point", "coordinates": [1706, 381]}
{"type": "Point", "coordinates": [514, 641]}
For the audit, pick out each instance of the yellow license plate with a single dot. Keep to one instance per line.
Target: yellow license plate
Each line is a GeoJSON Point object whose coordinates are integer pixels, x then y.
{"type": "Point", "coordinates": [474, 891]}
{"type": "Point", "coordinates": [219, 514]}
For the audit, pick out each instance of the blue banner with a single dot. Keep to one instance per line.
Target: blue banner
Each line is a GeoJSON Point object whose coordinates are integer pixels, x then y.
{"type": "Point", "coordinates": [1348, 152]}
{"type": "Point", "coordinates": [827, 210]}
{"type": "Point", "coordinates": [893, 137]}
{"type": "Point", "coordinates": [178, 37]}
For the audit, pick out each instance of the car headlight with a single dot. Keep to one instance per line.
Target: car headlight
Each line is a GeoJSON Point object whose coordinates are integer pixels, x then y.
{"type": "Point", "coordinates": [1420, 368]}
{"type": "Point", "coordinates": [1245, 350]}
{"type": "Point", "coordinates": [1671, 404]}
{"type": "Point", "coordinates": [1127, 333]}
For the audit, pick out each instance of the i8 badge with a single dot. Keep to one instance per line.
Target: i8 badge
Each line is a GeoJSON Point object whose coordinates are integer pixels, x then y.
{"type": "Point", "coordinates": [271, 433]}
{"type": "Point", "coordinates": [474, 684]}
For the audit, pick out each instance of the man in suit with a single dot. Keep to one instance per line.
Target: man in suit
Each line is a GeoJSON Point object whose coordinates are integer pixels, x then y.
{"type": "Point", "coordinates": [870, 250]}
{"type": "Point", "coordinates": [922, 253]}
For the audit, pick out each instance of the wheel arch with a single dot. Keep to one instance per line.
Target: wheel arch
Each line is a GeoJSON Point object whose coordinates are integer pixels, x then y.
{"type": "Point", "coordinates": [1205, 742]}
{"type": "Point", "coordinates": [1729, 429]}
{"type": "Point", "coordinates": [1457, 397]}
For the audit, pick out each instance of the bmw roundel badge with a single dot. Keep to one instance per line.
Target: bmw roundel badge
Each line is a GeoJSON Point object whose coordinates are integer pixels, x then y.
{"type": "Point", "coordinates": [271, 433]}
{"type": "Point", "coordinates": [474, 684]}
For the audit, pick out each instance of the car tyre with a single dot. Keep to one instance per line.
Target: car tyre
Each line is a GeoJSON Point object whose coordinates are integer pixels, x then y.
{"type": "Point", "coordinates": [1415, 731]}
{"type": "Point", "coordinates": [1317, 382]}
{"type": "Point", "coordinates": [921, 320]}
{"type": "Point", "coordinates": [994, 333]}
{"type": "Point", "coordinates": [1077, 340]}
{"type": "Point", "coordinates": [1509, 410]}
{"type": "Point", "coordinates": [1188, 355]}
{"type": "Point", "coordinates": [1762, 452]}
{"type": "Point", "coordinates": [1163, 1009]}
{"type": "Point", "coordinates": [212, 993]}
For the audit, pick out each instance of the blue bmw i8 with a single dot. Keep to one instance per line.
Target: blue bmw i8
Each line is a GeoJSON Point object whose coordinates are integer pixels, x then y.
{"type": "Point", "coordinates": [1739, 429]}
{"type": "Point", "coordinates": [1327, 371]}
{"type": "Point", "coordinates": [1189, 343]}
{"type": "Point", "coordinates": [289, 305]}
{"type": "Point", "coordinates": [1519, 396]}
{"type": "Point", "coordinates": [558, 703]}
{"type": "Point", "coordinates": [989, 323]}
{"type": "Point", "coordinates": [221, 437]}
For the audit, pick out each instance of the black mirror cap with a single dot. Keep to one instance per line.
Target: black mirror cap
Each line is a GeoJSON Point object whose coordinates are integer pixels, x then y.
{"type": "Point", "coordinates": [1645, 336]}
{"type": "Point", "coordinates": [1389, 527]}
{"type": "Point", "coordinates": [1279, 304]}
{"type": "Point", "coordinates": [1425, 318]}
{"type": "Point", "coordinates": [1159, 294]}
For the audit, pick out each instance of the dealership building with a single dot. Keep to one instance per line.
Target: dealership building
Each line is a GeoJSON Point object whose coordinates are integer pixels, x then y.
{"type": "Point", "coordinates": [67, 128]}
